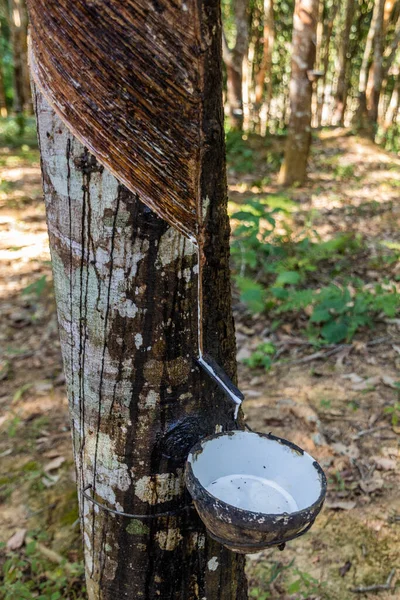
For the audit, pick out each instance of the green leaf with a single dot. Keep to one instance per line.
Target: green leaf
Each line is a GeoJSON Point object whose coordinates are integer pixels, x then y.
{"type": "Point", "coordinates": [288, 278]}
{"type": "Point", "coordinates": [252, 294]}
{"type": "Point", "coordinates": [320, 315]}
{"type": "Point", "coordinates": [335, 331]}
{"type": "Point", "coordinates": [294, 587]}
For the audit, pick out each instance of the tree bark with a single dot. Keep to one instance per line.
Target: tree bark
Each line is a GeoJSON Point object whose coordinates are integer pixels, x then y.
{"type": "Point", "coordinates": [19, 36]}
{"type": "Point", "coordinates": [127, 300]}
{"type": "Point", "coordinates": [343, 62]}
{"type": "Point", "coordinates": [233, 59]}
{"type": "Point", "coordinates": [294, 167]}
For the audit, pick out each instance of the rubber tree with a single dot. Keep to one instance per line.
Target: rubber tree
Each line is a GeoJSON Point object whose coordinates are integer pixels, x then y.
{"type": "Point", "coordinates": [126, 286]}
{"type": "Point", "coordinates": [19, 33]}
{"type": "Point", "coordinates": [233, 58]}
{"type": "Point", "coordinates": [342, 86]}
{"type": "Point", "coordinates": [294, 166]}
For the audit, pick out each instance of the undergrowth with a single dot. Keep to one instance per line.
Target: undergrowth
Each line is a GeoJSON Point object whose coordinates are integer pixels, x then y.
{"type": "Point", "coordinates": [304, 278]}
{"type": "Point", "coordinates": [27, 574]}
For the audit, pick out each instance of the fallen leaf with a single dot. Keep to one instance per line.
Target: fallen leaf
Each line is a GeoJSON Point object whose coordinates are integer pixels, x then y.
{"type": "Point", "coordinates": [396, 348]}
{"type": "Point", "coordinates": [340, 504]}
{"type": "Point", "coordinates": [373, 485]}
{"type": "Point", "coordinates": [367, 383]}
{"type": "Point", "coordinates": [390, 382]}
{"type": "Point", "coordinates": [385, 464]}
{"type": "Point", "coordinates": [54, 464]}
{"type": "Point", "coordinates": [16, 541]}
{"type": "Point", "coordinates": [345, 568]}
{"type": "Point", "coordinates": [351, 451]}
{"type": "Point", "coordinates": [353, 377]}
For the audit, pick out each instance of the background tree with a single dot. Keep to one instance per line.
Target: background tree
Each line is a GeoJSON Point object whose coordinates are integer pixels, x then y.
{"type": "Point", "coordinates": [343, 63]}
{"type": "Point", "coordinates": [233, 58]}
{"type": "Point", "coordinates": [19, 33]}
{"type": "Point", "coordinates": [298, 142]}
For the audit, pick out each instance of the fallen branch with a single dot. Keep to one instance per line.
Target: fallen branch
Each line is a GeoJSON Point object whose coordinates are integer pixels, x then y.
{"type": "Point", "coordinates": [380, 587]}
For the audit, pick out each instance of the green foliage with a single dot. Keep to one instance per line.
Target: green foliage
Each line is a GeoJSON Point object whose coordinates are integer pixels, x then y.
{"type": "Point", "coordinates": [28, 574]}
{"type": "Point", "coordinates": [239, 154]}
{"type": "Point", "coordinates": [261, 357]}
{"type": "Point", "coordinates": [18, 132]}
{"type": "Point", "coordinates": [37, 287]}
{"type": "Point", "coordinates": [305, 585]}
{"type": "Point", "coordinates": [394, 409]}
{"type": "Point", "coordinates": [275, 272]}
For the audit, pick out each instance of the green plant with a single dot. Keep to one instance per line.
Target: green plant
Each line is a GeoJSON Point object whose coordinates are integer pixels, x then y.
{"type": "Point", "coordinates": [240, 156]}
{"type": "Point", "coordinates": [305, 585]}
{"type": "Point", "coordinates": [261, 357]}
{"type": "Point", "coordinates": [28, 574]}
{"type": "Point", "coordinates": [394, 410]}
{"type": "Point", "coordinates": [37, 287]}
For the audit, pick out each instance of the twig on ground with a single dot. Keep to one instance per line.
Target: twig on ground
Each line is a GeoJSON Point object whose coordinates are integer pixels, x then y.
{"type": "Point", "coordinates": [321, 354]}
{"type": "Point", "coordinates": [380, 587]}
{"type": "Point", "coordinates": [369, 431]}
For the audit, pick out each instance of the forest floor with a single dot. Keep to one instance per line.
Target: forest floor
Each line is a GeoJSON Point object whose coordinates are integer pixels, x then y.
{"type": "Point", "coordinates": [339, 401]}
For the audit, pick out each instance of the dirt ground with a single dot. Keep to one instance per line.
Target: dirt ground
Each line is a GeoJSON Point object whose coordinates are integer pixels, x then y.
{"type": "Point", "coordinates": [330, 402]}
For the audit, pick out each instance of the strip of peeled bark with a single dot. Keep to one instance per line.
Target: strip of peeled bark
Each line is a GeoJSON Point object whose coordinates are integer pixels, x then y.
{"type": "Point", "coordinates": [294, 167]}
{"type": "Point", "coordinates": [129, 79]}
{"type": "Point", "coordinates": [126, 291]}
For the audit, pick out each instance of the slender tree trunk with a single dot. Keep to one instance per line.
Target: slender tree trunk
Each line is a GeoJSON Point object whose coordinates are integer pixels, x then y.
{"type": "Point", "coordinates": [19, 33]}
{"type": "Point", "coordinates": [233, 59]}
{"type": "Point", "coordinates": [361, 118]}
{"type": "Point", "coordinates": [294, 167]}
{"type": "Point", "coordinates": [343, 63]}
{"type": "Point", "coordinates": [327, 29]}
{"type": "Point", "coordinates": [127, 301]}
{"type": "Point", "coordinates": [376, 73]}
{"type": "Point", "coordinates": [3, 101]}
{"type": "Point", "coordinates": [264, 75]}
{"type": "Point", "coordinates": [393, 107]}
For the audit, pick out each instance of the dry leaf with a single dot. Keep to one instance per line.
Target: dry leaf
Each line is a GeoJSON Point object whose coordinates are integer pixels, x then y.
{"type": "Point", "coordinates": [385, 464]}
{"type": "Point", "coordinates": [367, 383]}
{"type": "Point", "coordinates": [16, 541]}
{"type": "Point", "coordinates": [340, 504]}
{"type": "Point", "coordinates": [396, 348]}
{"type": "Point", "coordinates": [54, 464]}
{"type": "Point", "coordinates": [353, 377]}
{"type": "Point", "coordinates": [390, 381]}
{"type": "Point", "coordinates": [351, 451]}
{"type": "Point", "coordinates": [373, 485]}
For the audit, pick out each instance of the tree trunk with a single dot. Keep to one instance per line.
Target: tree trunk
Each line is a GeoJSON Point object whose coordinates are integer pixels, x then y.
{"type": "Point", "coordinates": [376, 73]}
{"type": "Point", "coordinates": [393, 107]}
{"type": "Point", "coordinates": [19, 36]}
{"type": "Point", "coordinates": [233, 59]}
{"type": "Point", "coordinates": [328, 22]}
{"type": "Point", "coordinates": [264, 75]}
{"type": "Point", "coordinates": [294, 167]}
{"type": "Point", "coordinates": [361, 117]}
{"type": "Point", "coordinates": [343, 63]}
{"type": "Point", "coordinates": [127, 301]}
